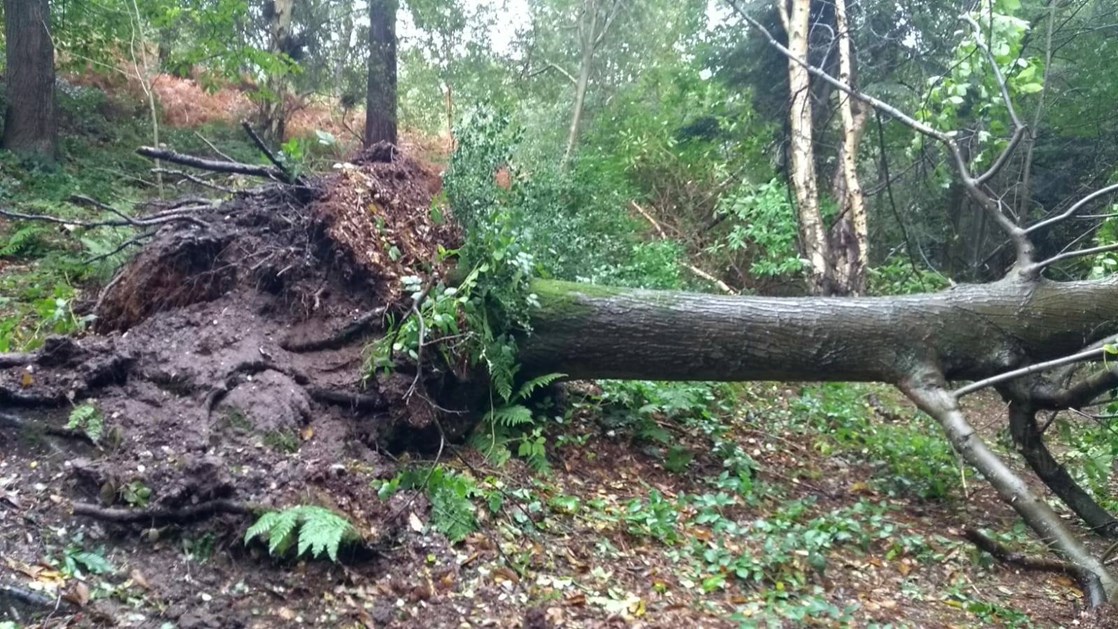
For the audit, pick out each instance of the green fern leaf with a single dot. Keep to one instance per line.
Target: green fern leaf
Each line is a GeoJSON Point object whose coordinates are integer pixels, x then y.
{"type": "Point", "coordinates": [322, 532]}
{"type": "Point", "coordinates": [530, 387]}
{"type": "Point", "coordinates": [510, 416]}
{"type": "Point", "coordinates": [262, 526]}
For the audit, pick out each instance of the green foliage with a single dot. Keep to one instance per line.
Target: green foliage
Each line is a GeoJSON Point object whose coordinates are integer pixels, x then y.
{"type": "Point", "coordinates": [86, 418]}
{"type": "Point", "coordinates": [764, 222]}
{"type": "Point", "coordinates": [135, 494]}
{"type": "Point", "coordinates": [451, 494]}
{"type": "Point", "coordinates": [917, 459]}
{"type": "Point", "coordinates": [901, 277]}
{"type": "Point", "coordinates": [656, 518]}
{"type": "Point", "coordinates": [26, 241]}
{"type": "Point", "coordinates": [307, 528]}
{"type": "Point", "coordinates": [77, 561]}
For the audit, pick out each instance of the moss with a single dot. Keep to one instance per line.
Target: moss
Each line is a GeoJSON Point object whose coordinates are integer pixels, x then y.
{"type": "Point", "coordinates": [559, 299]}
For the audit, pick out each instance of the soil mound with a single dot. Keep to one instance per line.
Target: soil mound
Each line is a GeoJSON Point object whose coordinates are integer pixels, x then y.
{"type": "Point", "coordinates": [227, 363]}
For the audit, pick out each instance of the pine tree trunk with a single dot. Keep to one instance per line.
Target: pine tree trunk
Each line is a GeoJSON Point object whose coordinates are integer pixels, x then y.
{"type": "Point", "coordinates": [30, 121]}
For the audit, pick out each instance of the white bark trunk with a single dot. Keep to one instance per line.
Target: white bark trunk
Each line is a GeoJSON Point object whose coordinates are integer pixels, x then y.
{"type": "Point", "coordinates": [795, 16]}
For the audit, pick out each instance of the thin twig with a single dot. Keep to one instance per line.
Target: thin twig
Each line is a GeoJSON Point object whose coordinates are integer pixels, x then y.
{"type": "Point", "coordinates": [191, 178]}
{"type": "Point", "coordinates": [1093, 353]}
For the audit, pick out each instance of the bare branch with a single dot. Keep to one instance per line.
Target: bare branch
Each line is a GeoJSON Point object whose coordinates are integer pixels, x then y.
{"type": "Point", "coordinates": [1094, 353]}
{"type": "Point", "coordinates": [1111, 189]}
{"type": "Point", "coordinates": [1079, 253]}
{"type": "Point", "coordinates": [928, 392]}
{"type": "Point", "coordinates": [267, 172]}
{"type": "Point", "coordinates": [191, 178]}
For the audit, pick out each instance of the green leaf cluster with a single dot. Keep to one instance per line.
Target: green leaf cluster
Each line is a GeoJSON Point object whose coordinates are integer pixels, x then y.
{"type": "Point", "coordinates": [306, 528]}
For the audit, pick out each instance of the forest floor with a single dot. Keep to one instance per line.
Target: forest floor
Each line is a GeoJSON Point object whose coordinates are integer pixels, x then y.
{"type": "Point", "coordinates": [223, 378]}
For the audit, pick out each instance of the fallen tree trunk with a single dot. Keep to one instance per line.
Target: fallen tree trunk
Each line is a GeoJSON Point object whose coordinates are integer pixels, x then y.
{"type": "Point", "coordinates": [970, 332]}
{"type": "Point", "coordinates": [990, 332]}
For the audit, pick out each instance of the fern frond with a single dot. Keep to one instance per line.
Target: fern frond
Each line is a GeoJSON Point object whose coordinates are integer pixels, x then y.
{"type": "Point", "coordinates": [319, 531]}
{"type": "Point", "coordinates": [530, 387]}
{"type": "Point", "coordinates": [322, 532]}
{"type": "Point", "coordinates": [510, 416]}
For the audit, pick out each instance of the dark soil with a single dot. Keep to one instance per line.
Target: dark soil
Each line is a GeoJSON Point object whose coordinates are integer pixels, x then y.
{"type": "Point", "coordinates": [227, 365]}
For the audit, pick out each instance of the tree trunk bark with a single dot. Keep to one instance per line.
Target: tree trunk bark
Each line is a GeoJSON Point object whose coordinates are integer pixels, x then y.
{"type": "Point", "coordinates": [584, 68]}
{"type": "Point", "coordinates": [380, 104]}
{"type": "Point", "coordinates": [812, 232]}
{"type": "Point", "coordinates": [970, 332]}
{"type": "Point", "coordinates": [851, 247]}
{"type": "Point", "coordinates": [275, 106]}
{"type": "Point", "coordinates": [30, 121]}
{"type": "Point", "coordinates": [918, 343]}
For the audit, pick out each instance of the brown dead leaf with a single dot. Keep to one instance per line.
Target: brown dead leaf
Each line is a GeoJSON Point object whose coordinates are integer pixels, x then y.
{"type": "Point", "coordinates": [307, 433]}
{"type": "Point", "coordinates": [78, 594]}
{"type": "Point", "coordinates": [139, 579]}
{"type": "Point", "coordinates": [576, 600]}
{"type": "Point", "coordinates": [506, 573]}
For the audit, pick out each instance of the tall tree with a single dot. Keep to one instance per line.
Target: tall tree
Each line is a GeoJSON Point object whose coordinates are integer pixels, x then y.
{"type": "Point", "coordinates": [595, 19]}
{"type": "Point", "coordinates": [380, 102]}
{"type": "Point", "coordinates": [795, 16]}
{"type": "Point", "coordinates": [30, 121]}
{"type": "Point", "coordinates": [850, 236]}
{"type": "Point", "coordinates": [279, 16]}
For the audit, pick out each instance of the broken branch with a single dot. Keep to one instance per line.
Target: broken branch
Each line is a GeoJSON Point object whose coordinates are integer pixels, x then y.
{"type": "Point", "coordinates": [266, 172]}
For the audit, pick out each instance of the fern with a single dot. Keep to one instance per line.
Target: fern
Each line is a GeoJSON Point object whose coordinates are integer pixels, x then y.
{"type": "Point", "coordinates": [530, 387]}
{"type": "Point", "coordinates": [26, 241]}
{"type": "Point", "coordinates": [319, 531]}
{"type": "Point", "coordinates": [87, 419]}
{"type": "Point", "coordinates": [510, 416]}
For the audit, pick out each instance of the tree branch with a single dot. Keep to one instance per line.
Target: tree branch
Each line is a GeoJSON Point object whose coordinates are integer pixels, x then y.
{"type": "Point", "coordinates": [1073, 209]}
{"type": "Point", "coordinates": [927, 391]}
{"type": "Point", "coordinates": [1088, 354]}
{"type": "Point", "coordinates": [1024, 248]}
{"type": "Point", "coordinates": [1037, 267]}
{"type": "Point", "coordinates": [266, 172]}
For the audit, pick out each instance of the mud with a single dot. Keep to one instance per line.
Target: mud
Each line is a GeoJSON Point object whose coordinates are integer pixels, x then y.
{"type": "Point", "coordinates": [227, 364]}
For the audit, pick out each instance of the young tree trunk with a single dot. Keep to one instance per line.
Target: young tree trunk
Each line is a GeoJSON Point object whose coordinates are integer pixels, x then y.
{"type": "Point", "coordinates": [850, 235]}
{"type": "Point", "coordinates": [594, 23]}
{"type": "Point", "coordinates": [274, 112]}
{"type": "Point", "coordinates": [30, 121]}
{"type": "Point", "coordinates": [580, 101]}
{"type": "Point", "coordinates": [343, 52]}
{"type": "Point", "coordinates": [380, 102]}
{"type": "Point", "coordinates": [795, 16]}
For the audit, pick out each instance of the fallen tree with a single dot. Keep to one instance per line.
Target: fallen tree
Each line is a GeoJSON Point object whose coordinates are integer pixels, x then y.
{"type": "Point", "coordinates": [328, 268]}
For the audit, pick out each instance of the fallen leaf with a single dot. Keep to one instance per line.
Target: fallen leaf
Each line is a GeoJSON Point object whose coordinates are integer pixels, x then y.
{"type": "Point", "coordinates": [78, 594]}
{"type": "Point", "coordinates": [415, 523]}
{"type": "Point", "coordinates": [139, 579]}
{"type": "Point", "coordinates": [307, 433]}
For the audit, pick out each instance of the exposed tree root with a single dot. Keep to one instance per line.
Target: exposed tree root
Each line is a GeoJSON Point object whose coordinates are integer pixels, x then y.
{"type": "Point", "coordinates": [191, 513]}
{"type": "Point", "coordinates": [8, 361]}
{"type": "Point", "coordinates": [35, 599]}
{"type": "Point", "coordinates": [356, 401]}
{"type": "Point", "coordinates": [340, 339]}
